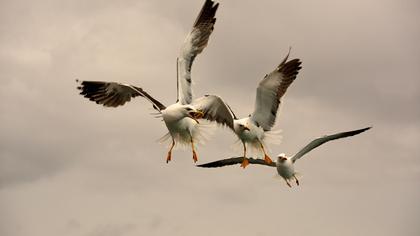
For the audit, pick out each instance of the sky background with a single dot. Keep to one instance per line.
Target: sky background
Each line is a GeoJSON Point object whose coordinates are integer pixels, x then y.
{"type": "Point", "coordinates": [71, 167]}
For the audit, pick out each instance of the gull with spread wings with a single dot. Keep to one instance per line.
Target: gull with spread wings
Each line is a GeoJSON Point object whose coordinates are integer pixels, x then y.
{"type": "Point", "coordinates": [254, 130]}
{"type": "Point", "coordinates": [285, 164]}
{"type": "Point", "coordinates": [180, 118]}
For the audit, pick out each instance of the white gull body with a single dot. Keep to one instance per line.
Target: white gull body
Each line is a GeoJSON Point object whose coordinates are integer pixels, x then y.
{"type": "Point", "coordinates": [286, 169]}
{"type": "Point", "coordinates": [181, 127]}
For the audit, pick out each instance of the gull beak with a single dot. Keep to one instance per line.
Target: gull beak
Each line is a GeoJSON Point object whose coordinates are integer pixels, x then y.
{"type": "Point", "coordinates": [198, 114]}
{"type": "Point", "coordinates": [195, 115]}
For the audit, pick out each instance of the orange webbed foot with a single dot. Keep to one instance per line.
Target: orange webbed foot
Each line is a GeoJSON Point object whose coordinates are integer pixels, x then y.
{"type": "Point", "coordinates": [267, 159]}
{"type": "Point", "coordinates": [245, 163]}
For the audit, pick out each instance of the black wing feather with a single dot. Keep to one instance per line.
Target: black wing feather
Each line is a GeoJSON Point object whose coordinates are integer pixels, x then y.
{"type": "Point", "coordinates": [112, 94]}
{"type": "Point", "coordinates": [234, 161]}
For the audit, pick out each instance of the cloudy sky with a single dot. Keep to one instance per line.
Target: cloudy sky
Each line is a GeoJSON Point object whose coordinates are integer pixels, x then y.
{"type": "Point", "coordinates": [71, 167]}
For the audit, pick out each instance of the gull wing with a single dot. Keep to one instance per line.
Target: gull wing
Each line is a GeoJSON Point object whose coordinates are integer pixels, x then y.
{"type": "Point", "coordinates": [234, 161]}
{"type": "Point", "coordinates": [112, 94]}
{"type": "Point", "coordinates": [214, 109]}
{"type": "Point", "coordinates": [270, 91]}
{"type": "Point", "coordinates": [319, 141]}
{"type": "Point", "coordinates": [193, 45]}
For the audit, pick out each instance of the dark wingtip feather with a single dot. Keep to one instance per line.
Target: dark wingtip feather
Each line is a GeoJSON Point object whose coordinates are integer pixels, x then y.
{"type": "Point", "coordinates": [291, 68]}
{"type": "Point", "coordinates": [354, 132]}
{"type": "Point", "coordinates": [207, 13]}
{"type": "Point", "coordinates": [221, 163]}
{"type": "Point", "coordinates": [234, 161]}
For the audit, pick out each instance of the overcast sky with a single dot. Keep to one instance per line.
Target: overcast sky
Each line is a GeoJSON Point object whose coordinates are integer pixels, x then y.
{"type": "Point", "coordinates": [71, 167]}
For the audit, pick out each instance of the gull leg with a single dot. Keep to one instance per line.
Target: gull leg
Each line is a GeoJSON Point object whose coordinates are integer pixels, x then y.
{"type": "Point", "coordinates": [245, 162]}
{"type": "Point", "coordinates": [168, 157]}
{"type": "Point", "coordinates": [297, 181]}
{"type": "Point", "coordinates": [267, 159]}
{"type": "Point", "coordinates": [243, 143]}
{"type": "Point", "coordinates": [288, 184]}
{"type": "Point", "coordinates": [195, 158]}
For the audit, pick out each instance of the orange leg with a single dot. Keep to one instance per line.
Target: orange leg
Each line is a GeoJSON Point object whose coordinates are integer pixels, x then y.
{"type": "Point", "coordinates": [168, 157]}
{"type": "Point", "coordinates": [195, 157]}
{"type": "Point", "coordinates": [267, 159]}
{"type": "Point", "coordinates": [245, 162]}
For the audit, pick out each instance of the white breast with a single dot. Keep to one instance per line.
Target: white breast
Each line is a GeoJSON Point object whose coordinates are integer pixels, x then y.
{"type": "Point", "coordinates": [255, 133]}
{"type": "Point", "coordinates": [285, 169]}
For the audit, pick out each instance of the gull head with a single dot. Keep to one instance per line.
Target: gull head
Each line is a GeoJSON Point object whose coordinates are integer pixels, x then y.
{"type": "Point", "coordinates": [282, 157]}
{"type": "Point", "coordinates": [193, 113]}
{"type": "Point", "coordinates": [241, 125]}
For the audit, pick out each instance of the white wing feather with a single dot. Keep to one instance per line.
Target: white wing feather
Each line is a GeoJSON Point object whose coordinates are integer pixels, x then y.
{"type": "Point", "coordinates": [194, 44]}
{"type": "Point", "coordinates": [271, 89]}
{"type": "Point", "coordinates": [214, 109]}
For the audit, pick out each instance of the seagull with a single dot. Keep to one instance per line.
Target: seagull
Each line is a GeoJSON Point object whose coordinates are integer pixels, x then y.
{"type": "Point", "coordinates": [285, 164]}
{"type": "Point", "coordinates": [254, 130]}
{"type": "Point", "coordinates": [181, 118]}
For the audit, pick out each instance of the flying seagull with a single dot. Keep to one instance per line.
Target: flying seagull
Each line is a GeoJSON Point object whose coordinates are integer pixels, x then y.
{"type": "Point", "coordinates": [180, 118]}
{"type": "Point", "coordinates": [254, 130]}
{"type": "Point", "coordinates": [285, 164]}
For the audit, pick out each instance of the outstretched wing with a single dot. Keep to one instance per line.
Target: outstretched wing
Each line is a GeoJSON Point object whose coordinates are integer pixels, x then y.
{"type": "Point", "coordinates": [270, 91]}
{"type": "Point", "coordinates": [319, 141]}
{"type": "Point", "coordinates": [193, 45]}
{"type": "Point", "coordinates": [214, 109]}
{"type": "Point", "coordinates": [112, 94]}
{"type": "Point", "coordinates": [234, 161]}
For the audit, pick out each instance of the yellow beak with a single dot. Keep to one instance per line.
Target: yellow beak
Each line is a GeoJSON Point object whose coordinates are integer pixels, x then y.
{"type": "Point", "coordinates": [196, 115]}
